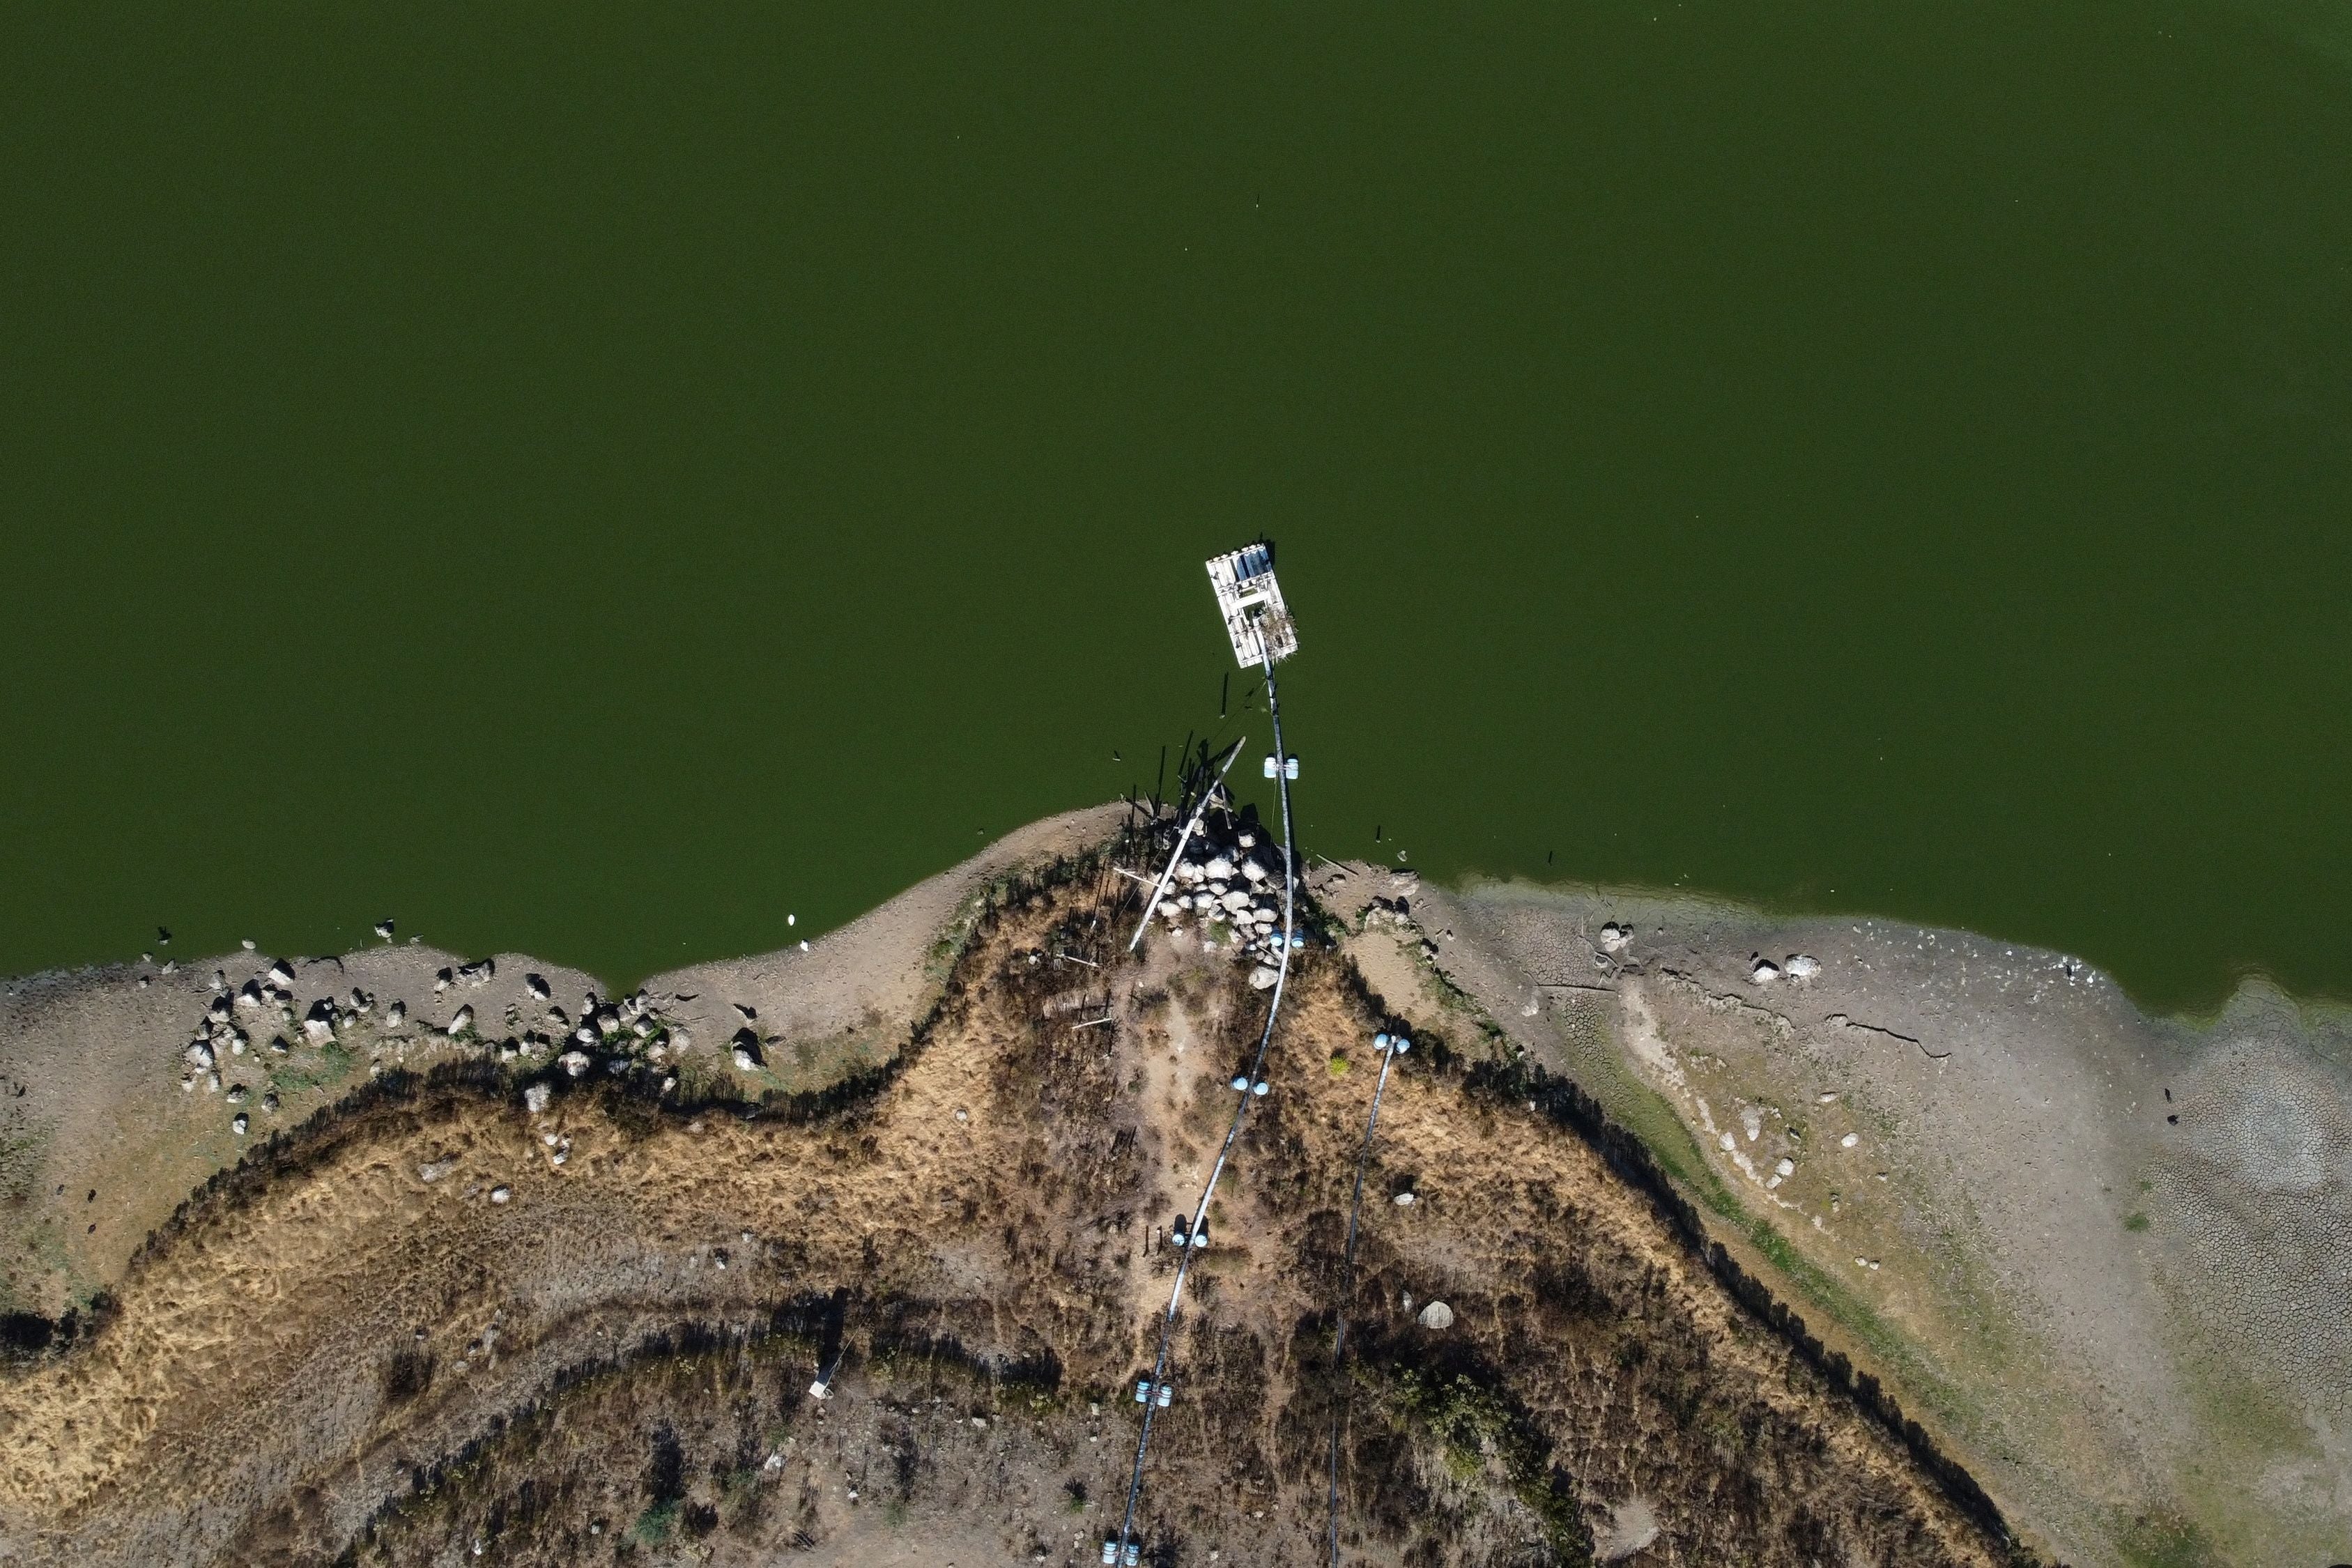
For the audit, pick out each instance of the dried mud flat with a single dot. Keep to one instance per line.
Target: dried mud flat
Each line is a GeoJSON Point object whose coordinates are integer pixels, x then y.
{"type": "Point", "coordinates": [2103, 1256]}
{"type": "Point", "coordinates": [410, 1333]}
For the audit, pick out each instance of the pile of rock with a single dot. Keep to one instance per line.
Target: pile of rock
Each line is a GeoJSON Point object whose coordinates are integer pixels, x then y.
{"type": "Point", "coordinates": [631, 1035]}
{"type": "Point", "coordinates": [1234, 886]}
{"type": "Point", "coordinates": [219, 1037]}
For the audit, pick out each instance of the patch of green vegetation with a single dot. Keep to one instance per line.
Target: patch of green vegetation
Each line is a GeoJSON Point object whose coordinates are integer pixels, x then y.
{"type": "Point", "coordinates": [1472, 1420]}
{"type": "Point", "coordinates": [2134, 1222]}
{"type": "Point", "coordinates": [334, 1065]}
{"type": "Point", "coordinates": [20, 1158]}
{"type": "Point", "coordinates": [1339, 1064]}
{"type": "Point", "coordinates": [654, 1525]}
{"type": "Point", "coordinates": [2248, 1423]}
{"type": "Point", "coordinates": [2165, 1539]}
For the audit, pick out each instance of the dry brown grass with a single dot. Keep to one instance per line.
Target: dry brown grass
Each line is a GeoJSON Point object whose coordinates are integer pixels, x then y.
{"type": "Point", "coordinates": [335, 1354]}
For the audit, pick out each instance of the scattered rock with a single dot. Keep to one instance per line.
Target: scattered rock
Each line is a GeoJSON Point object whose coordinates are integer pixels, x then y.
{"type": "Point", "coordinates": [501, 1194]}
{"type": "Point", "coordinates": [535, 1097]}
{"type": "Point", "coordinates": [1803, 966]}
{"type": "Point", "coordinates": [238, 1123]}
{"type": "Point", "coordinates": [1785, 1168]}
{"type": "Point", "coordinates": [434, 1170]}
{"type": "Point", "coordinates": [747, 1053]}
{"type": "Point", "coordinates": [1406, 1200]}
{"type": "Point", "coordinates": [1614, 937]}
{"type": "Point", "coordinates": [1850, 1139]}
{"type": "Point", "coordinates": [460, 1021]}
{"type": "Point", "coordinates": [538, 986]}
{"type": "Point", "coordinates": [573, 1062]}
{"type": "Point", "coordinates": [1765, 973]}
{"type": "Point", "coordinates": [1632, 1525]}
{"type": "Point", "coordinates": [281, 974]}
{"type": "Point", "coordinates": [1263, 977]}
{"type": "Point", "coordinates": [395, 1015]}
{"type": "Point", "coordinates": [1437, 1315]}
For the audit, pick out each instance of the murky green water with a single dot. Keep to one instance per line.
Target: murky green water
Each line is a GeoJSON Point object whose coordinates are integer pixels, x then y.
{"type": "Point", "coordinates": [598, 485]}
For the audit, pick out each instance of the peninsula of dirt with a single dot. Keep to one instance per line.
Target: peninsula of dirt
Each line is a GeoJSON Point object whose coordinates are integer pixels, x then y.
{"type": "Point", "coordinates": [852, 1253]}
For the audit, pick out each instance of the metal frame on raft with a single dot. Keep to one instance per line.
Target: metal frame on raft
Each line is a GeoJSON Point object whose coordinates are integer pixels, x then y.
{"type": "Point", "coordinates": [1257, 620]}
{"type": "Point", "coordinates": [1262, 633]}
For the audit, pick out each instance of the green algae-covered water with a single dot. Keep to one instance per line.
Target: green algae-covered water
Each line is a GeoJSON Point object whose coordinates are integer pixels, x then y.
{"type": "Point", "coordinates": [599, 484]}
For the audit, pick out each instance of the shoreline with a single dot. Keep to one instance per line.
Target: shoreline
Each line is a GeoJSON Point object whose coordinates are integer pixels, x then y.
{"type": "Point", "coordinates": [300, 1286]}
{"type": "Point", "coordinates": [1953, 1154]}
{"type": "Point", "coordinates": [2012, 1221]}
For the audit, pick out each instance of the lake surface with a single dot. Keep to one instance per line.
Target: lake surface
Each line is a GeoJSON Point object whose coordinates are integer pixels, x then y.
{"type": "Point", "coordinates": [597, 484]}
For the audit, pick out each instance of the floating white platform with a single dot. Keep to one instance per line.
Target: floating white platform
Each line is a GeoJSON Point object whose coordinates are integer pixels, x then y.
{"type": "Point", "coordinates": [1251, 601]}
